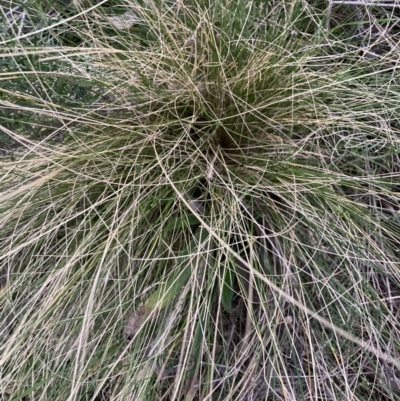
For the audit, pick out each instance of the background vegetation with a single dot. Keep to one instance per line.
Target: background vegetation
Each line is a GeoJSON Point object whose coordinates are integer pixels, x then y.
{"type": "Point", "coordinates": [199, 200]}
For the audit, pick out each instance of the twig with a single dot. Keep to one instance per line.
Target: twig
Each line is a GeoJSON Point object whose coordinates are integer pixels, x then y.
{"type": "Point", "coordinates": [210, 171]}
{"type": "Point", "coordinates": [12, 10]}
{"type": "Point", "coordinates": [361, 3]}
{"type": "Point", "coordinates": [250, 297]}
{"type": "Point", "coordinates": [328, 16]}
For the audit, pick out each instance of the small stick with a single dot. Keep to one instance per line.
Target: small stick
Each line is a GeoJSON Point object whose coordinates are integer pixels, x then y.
{"type": "Point", "coordinates": [210, 171]}
{"type": "Point", "coordinates": [360, 3]}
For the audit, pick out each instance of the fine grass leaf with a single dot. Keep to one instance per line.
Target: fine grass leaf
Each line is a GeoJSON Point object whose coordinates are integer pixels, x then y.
{"type": "Point", "coordinates": [227, 289]}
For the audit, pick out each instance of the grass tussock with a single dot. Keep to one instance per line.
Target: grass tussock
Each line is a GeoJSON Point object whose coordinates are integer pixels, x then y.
{"type": "Point", "coordinates": [199, 201]}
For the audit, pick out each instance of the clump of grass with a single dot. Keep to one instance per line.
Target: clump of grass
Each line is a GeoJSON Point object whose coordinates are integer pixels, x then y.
{"type": "Point", "coordinates": [202, 204]}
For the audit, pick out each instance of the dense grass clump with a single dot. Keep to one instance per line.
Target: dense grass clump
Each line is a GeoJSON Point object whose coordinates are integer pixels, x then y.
{"type": "Point", "coordinates": [199, 200]}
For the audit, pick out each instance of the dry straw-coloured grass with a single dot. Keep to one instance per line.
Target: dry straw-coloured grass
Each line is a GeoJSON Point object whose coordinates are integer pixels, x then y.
{"type": "Point", "coordinates": [199, 201]}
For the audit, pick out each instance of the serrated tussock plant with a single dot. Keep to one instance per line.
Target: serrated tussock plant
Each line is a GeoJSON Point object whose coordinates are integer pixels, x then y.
{"type": "Point", "coordinates": [199, 200]}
